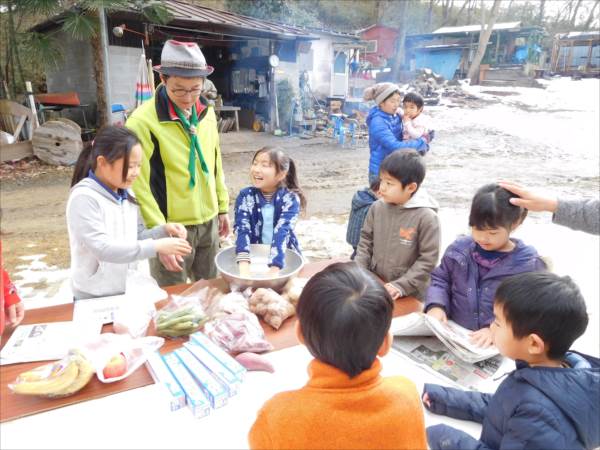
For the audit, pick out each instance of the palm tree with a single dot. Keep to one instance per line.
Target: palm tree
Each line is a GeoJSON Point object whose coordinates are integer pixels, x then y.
{"type": "Point", "coordinates": [81, 21]}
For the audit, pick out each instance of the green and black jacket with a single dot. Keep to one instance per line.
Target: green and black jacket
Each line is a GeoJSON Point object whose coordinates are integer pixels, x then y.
{"type": "Point", "coordinates": [163, 189]}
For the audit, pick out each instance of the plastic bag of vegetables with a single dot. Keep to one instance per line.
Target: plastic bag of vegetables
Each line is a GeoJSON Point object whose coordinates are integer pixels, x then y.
{"type": "Point", "coordinates": [181, 316]}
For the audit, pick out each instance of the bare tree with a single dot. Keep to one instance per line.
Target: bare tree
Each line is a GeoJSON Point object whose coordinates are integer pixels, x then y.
{"type": "Point", "coordinates": [454, 20]}
{"type": "Point", "coordinates": [590, 18]}
{"type": "Point", "coordinates": [401, 39]}
{"type": "Point", "coordinates": [540, 16]}
{"type": "Point", "coordinates": [472, 4]}
{"type": "Point", "coordinates": [484, 37]}
{"type": "Point", "coordinates": [446, 5]}
{"type": "Point", "coordinates": [430, 14]}
{"type": "Point", "coordinates": [574, 15]}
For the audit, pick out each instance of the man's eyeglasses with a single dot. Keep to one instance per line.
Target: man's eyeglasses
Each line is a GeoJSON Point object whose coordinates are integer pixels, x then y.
{"type": "Point", "coordinates": [183, 92]}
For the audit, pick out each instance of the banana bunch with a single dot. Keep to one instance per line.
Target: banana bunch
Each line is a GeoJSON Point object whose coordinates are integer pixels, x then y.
{"type": "Point", "coordinates": [180, 322]}
{"type": "Point", "coordinates": [58, 379]}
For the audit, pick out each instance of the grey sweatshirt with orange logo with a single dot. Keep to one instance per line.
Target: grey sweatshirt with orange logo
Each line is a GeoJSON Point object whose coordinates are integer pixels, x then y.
{"type": "Point", "coordinates": [401, 243]}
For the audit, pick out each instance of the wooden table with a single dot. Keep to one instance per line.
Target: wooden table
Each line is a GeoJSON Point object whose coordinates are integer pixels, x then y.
{"type": "Point", "coordinates": [233, 109]}
{"type": "Point", "coordinates": [13, 406]}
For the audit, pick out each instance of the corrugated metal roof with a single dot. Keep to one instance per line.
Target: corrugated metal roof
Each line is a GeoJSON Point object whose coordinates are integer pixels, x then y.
{"type": "Point", "coordinates": [183, 11]}
{"type": "Point", "coordinates": [187, 12]}
{"type": "Point", "coordinates": [593, 35]}
{"type": "Point", "coordinates": [476, 28]}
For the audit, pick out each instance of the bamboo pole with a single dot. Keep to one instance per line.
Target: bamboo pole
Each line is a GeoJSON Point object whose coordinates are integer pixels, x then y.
{"type": "Point", "coordinates": [35, 123]}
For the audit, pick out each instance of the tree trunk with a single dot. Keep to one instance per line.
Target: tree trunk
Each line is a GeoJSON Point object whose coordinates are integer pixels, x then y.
{"type": "Point", "coordinates": [13, 55]}
{"type": "Point", "coordinates": [470, 11]}
{"type": "Point", "coordinates": [99, 76]}
{"type": "Point", "coordinates": [590, 18]}
{"type": "Point", "coordinates": [510, 3]}
{"type": "Point", "coordinates": [484, 37]}
{"type": "Point", "coordinates": [540, 17]}
{"type": "Point", "coordinates": [430, 15]}
{"type": "Point", "coordinates": [574, 16]}
{"type": "Point", "coordinates": [445, 10]}
{"type": "Point", "coordinates": [399, 59]}
{"type": "Point", "coordinates": [378, 12]}
{"type": "Point", "coordinates": [454, 20]}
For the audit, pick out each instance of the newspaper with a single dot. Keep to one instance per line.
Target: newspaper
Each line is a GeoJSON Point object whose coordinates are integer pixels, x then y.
{"type": "Point", "coordinates": [431, 354]}
{"type": "Point", "coordinates": [453, 336]}
{"type": "Point", "coordinates": [46, 341]}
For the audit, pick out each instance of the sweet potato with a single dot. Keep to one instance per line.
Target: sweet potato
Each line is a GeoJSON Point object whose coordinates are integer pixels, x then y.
{"type": "Point", "coordinates": [252, 361]}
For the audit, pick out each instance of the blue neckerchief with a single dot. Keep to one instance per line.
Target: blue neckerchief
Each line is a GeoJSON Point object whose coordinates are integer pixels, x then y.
{"type": "Point", "coordinates": [119, 196]}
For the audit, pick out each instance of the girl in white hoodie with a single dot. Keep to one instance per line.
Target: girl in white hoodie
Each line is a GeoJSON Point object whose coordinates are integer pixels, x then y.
{"type": "Point", "coordinates": [106, 233]}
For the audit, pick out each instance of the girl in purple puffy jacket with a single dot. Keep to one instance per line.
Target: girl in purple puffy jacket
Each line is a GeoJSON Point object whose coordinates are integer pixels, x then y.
{"type": "Point", "coordinates": [463, 285]}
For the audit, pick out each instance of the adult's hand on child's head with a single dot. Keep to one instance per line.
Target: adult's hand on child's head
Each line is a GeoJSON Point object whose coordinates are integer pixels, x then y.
{"type": "Point", "coordinates": [172, 263]}
{"type": "Point", "coordinates": [438, 313]}
{"type": "Point", "coordinates": [176, 230]}
{"type": "Point", "coordinates": [15, 313]}
{"type": "Point", "coordinates": [529, 200]}
{"type": "Point", "coordinates": [482, 338]}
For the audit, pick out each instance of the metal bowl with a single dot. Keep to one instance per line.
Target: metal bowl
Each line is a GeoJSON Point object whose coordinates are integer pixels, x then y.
{"type": "Point", "coordinates": [259, 255]}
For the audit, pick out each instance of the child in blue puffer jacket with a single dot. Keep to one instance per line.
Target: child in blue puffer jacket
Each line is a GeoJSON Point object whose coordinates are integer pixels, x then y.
{"type": "Point", "coordinates": [385, 127]}
{"type": "Point", "coordinates": [551, 400]}
{"type": "Point", "coordinates": [463, 285]}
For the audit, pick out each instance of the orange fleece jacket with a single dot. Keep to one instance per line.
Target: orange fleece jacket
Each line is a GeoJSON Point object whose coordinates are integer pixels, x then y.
{"type": "Point", "coordinates": [334, 411]}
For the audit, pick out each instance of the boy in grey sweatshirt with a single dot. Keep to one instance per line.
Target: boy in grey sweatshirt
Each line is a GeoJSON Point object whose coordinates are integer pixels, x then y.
{"type": "Point", "coordinates": [400, 239]}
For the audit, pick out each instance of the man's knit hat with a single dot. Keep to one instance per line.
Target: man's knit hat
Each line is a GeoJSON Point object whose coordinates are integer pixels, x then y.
{"type": "Point", "coordinates": [380, 92]}
{"type": "Point", "coordinates": [183, 59]}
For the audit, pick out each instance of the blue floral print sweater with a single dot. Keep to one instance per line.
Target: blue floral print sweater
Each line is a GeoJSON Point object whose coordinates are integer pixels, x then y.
{"type": "Point", "coordinates": [249, 222]}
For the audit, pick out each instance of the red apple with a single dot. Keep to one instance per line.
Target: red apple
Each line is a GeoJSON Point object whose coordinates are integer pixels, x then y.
{"type": "Point", "coordinates": [116, 367]}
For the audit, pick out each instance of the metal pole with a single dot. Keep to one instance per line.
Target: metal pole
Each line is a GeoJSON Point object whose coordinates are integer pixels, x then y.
{"type": "Point", "coordinates": [106, 69]}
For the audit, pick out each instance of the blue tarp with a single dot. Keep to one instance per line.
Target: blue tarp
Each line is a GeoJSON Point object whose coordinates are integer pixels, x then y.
{"type": "Point", "coordinates": [443, 62]}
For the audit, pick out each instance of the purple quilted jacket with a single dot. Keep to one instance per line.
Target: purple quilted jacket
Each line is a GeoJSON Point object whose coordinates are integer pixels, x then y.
{"type": "Point", "coordinates": [467, 298]}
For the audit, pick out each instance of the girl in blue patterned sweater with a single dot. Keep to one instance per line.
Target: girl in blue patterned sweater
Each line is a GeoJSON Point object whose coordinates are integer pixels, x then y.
{"type": "Point", "coordinates": [266, 213]}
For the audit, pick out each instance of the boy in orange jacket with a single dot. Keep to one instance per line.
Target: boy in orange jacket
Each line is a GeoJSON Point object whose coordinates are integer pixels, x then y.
{"type": "Point", "coordinates": [10, 303]}
{"type": "Point", "coordinates": [344, 316]}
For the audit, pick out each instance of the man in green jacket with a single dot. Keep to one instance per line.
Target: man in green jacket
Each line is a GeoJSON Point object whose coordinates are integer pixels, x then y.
{"type": "Point", "coordinates": [181, 179]}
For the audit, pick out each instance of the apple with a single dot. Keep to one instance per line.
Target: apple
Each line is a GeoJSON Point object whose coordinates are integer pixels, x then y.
{"type": "Point", "coordinates": [116, 367]}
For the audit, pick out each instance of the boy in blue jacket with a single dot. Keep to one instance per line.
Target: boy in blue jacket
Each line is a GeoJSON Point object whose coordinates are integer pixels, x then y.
{"type": "Point", "coordinates": [551, 400]}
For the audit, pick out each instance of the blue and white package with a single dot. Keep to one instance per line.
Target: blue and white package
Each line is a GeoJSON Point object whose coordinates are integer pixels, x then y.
{"type": "Point", "coordinates": [196, 401]}
{"type": "Point", "coordinates": [221, 355]}
{"type": "Point", "coordinates": [163, 376]}
{"type": "Point", "coordinates": [213, 389]}
{"type": "Point", "coordinates": [228, 379]}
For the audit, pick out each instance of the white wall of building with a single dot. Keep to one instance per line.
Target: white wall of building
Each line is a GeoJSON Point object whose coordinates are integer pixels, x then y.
{"type": "Point", "coordinates": [320, 75]}
{"type": "Point", "coordinates": [123, 66]}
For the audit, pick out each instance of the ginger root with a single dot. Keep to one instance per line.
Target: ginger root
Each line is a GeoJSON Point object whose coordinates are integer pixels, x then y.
{"type": "Point", "coordinates": [271, 306]}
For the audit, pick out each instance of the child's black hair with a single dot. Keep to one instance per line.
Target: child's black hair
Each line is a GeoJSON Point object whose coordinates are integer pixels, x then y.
{"type": "Point", "coordinates": [406, 166]}
{"type": "Point", "coordinates": [374, 186]}
{"type": "Point", "coordinates": [491, 208]}
{"type": "Point", "coordinates": [413, 97]}
{"type": "Point", "coordinates": [545, 304]}
{"type": "Point", "coordinates": [284, 163]}
{"type": "Point", "coordinates": [113, 143]}
{"type": "Point", "coordinates": [345, 314]}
